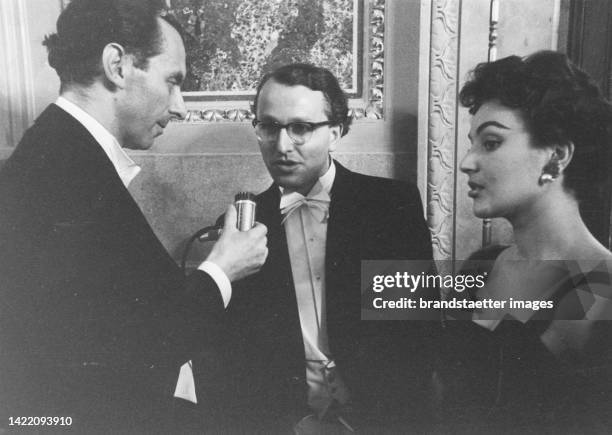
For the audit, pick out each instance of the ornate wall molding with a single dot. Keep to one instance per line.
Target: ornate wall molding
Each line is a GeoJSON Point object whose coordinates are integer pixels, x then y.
{"type": "Point", "coordinates": [376, 63]}
{"type": "Point", "coordinates": [369, 107]}
{"type": "Point", "coordinates": [441, 125]}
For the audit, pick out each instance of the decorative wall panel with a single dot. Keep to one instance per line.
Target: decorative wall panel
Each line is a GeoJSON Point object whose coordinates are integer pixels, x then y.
{"type": "Point", "coordinates": [441, 125]}
{"type": "Point", "coordinates": [16, 83]}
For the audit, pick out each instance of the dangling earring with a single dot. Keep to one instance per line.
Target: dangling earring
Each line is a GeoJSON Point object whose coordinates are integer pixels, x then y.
{"type": "Point", "coordinates": [550, 171]}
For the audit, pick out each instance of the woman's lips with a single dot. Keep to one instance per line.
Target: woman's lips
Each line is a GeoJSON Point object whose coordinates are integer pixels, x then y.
{"type": "Point", "coordinates": [475, 189]}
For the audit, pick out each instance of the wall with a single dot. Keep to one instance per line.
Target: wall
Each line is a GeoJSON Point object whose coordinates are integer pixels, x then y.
{"type": "Point", "coordinates": [27, 83]}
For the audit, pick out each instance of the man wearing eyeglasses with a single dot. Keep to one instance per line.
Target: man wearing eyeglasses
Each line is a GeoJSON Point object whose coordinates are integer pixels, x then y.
{"type": "Point", "coordinates": [304, 359]}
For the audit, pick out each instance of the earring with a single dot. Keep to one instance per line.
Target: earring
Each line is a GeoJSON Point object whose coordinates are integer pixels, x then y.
{"type": "Point", "coordinates": [550, 171]}
{"type": "Point", "coordinates": [545, 178]}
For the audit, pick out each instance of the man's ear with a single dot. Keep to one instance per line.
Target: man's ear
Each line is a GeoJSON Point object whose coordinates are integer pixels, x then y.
{"type": "Point", "coordinates": [114, 63]}
{"type": "Point", "coordinates": [335, 133]}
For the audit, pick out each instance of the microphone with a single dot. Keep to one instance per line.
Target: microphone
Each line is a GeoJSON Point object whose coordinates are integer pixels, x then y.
{"type": "Point", "coordinates": [245, 207]}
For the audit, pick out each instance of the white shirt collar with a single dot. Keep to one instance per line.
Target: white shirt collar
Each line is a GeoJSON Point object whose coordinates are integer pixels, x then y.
{"type": "Point", "coordinates": [326, 181]}
{"type": "Point", "coordinates": [126, 168]}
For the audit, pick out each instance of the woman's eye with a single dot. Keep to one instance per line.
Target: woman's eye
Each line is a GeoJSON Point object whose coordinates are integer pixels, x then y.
{"type": "Point", "coordinates": [490, 144]}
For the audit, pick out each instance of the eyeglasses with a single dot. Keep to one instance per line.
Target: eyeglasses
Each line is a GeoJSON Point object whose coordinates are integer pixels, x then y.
{"type": "Point", "coordinates": [299, 132]}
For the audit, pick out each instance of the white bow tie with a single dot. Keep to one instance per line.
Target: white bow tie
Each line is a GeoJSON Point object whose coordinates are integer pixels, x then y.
{"type": "Point", "coordinates": [318, 204]}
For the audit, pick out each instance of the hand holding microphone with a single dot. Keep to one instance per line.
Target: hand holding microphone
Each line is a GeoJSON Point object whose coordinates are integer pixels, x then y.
{"type": "Point", "coordinates": [240, 253]}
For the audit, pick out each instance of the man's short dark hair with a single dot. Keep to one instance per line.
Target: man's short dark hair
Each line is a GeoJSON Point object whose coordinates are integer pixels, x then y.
{"type": "Point", "coordinates": [85, 27]}
{"type": "Point", "coordinates": [317, 79]}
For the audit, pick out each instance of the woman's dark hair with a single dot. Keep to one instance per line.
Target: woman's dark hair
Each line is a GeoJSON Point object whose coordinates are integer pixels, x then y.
{"type": "Point", "coordinates": [85, 27]}
{"type": "Point", "coordinates": [317, 79]}
{"type": "Point", "coordinates": [560, 104]}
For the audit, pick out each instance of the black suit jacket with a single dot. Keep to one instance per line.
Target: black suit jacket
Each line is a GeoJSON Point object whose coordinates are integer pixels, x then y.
{"type": "Point", "coordinates": [95, 315]}
{"type": "Point", "coordinates": [385, 364]}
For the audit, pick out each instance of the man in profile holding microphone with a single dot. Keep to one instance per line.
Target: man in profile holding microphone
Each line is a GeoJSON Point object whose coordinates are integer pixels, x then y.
{"type": "Point", "coordinates": [307, 361]}
{"type": "Point", "coordinates": [96, 318]}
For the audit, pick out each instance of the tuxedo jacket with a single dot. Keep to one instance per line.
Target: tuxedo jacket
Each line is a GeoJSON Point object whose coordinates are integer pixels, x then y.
{"type": "Point", "coordinates": [96, 317]}
{"type": "Point", "coordinates": [385, 364]}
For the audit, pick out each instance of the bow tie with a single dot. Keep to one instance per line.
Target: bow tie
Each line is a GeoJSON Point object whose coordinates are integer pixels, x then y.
{"type": "Point", "coordinates": [318, 204]}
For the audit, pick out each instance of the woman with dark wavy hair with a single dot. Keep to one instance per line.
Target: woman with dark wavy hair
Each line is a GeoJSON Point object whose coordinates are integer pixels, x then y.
{"type": "Point", "coordinates": [541, 135]}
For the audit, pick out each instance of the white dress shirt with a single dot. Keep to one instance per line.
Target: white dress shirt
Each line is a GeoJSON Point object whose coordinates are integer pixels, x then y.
{"type": "Point", "coordinates": [306, 241]}
{"type": "Point", "coordinates": [127, 170]}
{"type": "Point", "coordinates": [124, 165]}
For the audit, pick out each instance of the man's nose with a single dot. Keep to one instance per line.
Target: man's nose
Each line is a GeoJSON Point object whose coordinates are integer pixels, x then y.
{"type": "Point", "coordinates": [284, 143]}
{"type": "Point", "coordinates": [177, 104]}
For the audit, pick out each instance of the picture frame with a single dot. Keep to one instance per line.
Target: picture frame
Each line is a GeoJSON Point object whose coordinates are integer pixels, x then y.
{"type": "Point", "coordinates": [364, 85]}
{"type": "Point", "coordinates": [366, 90]}
{"type": "Point", "coordinates": [231, 45]}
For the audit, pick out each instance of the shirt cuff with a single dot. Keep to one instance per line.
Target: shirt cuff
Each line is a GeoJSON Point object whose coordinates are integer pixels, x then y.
{"type": "Point", "coordinates": [220, 278]}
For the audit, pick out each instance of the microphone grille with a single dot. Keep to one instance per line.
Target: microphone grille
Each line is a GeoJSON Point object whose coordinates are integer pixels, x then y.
{"type": "Point", "coordinates": [242, 196]}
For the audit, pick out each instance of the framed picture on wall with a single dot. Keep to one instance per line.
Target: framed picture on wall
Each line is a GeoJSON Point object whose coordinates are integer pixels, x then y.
{"type": "Point", "coordinates": [230, 44]}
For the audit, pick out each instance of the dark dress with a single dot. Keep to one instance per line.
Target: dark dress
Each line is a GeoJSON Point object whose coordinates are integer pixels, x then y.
{"type": "Point", "coordinates": [507, 381]}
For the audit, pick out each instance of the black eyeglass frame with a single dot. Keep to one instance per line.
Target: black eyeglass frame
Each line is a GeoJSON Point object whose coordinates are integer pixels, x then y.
{"type": "Point", "coordinates": [313, 126]}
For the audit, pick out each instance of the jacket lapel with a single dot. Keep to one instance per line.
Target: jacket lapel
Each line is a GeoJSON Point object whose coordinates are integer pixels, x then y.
{"type": "Point", "coordinates": [341, 295]}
